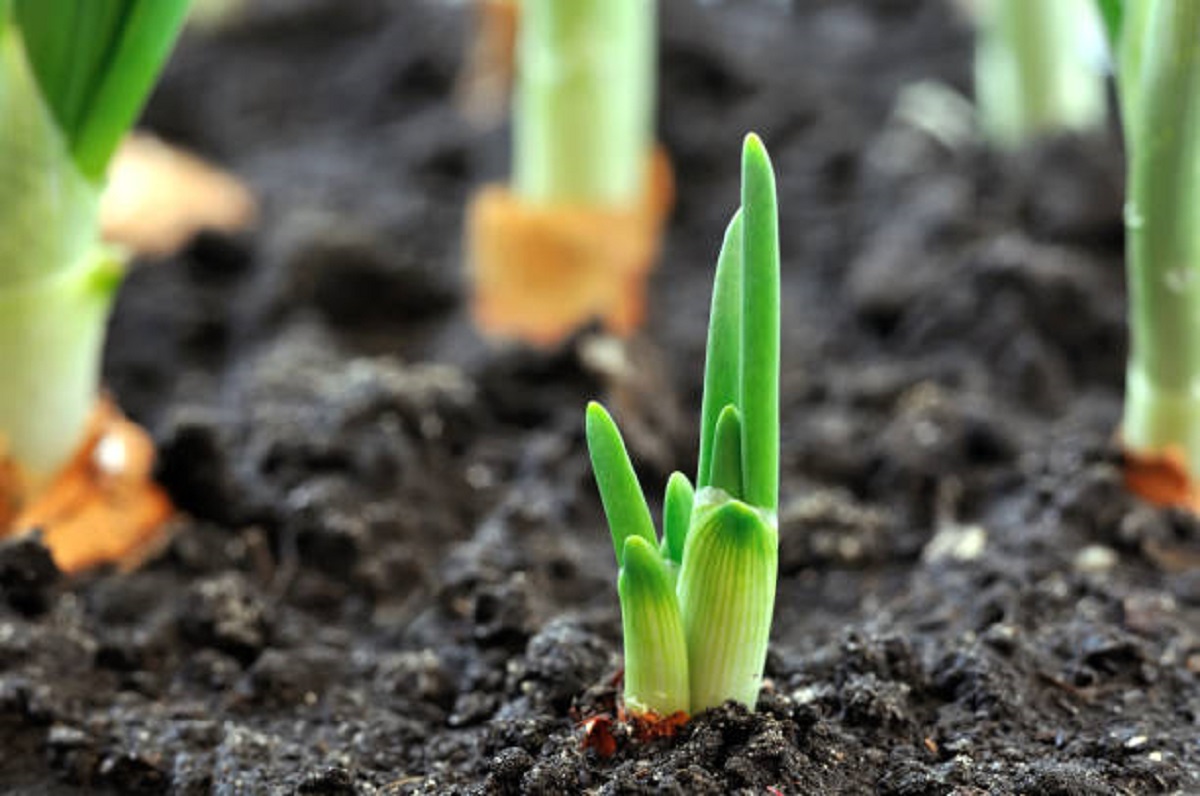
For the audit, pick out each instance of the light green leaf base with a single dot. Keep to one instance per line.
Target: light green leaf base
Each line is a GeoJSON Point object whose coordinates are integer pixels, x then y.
{"type": "Point", "coordinates": [1156, 419]}
{"type": "Point", "coordinates": [727, 596]}
{"type": "Point", "coordinates": [51, 337]}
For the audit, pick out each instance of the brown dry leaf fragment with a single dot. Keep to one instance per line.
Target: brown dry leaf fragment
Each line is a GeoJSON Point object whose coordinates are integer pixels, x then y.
{"type": "Point", "coordinates": [541, 272]}
{"type": "Point", "coordinates": [600, 732]}
{"type": "Point", "coordinates": [598, 735]}
{"type": "Point", "coordinates": [1161, 478]}
{"type": "Point", "coordinates": [651, 726]}
{"type": "Point", "coordinates": [158, 197]}
{"type": "Point", "coordinates": [104, 506]}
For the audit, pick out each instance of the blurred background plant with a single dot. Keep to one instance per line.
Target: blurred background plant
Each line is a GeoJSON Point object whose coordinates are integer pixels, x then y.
{"type": "Point", "coordinates": [572, 238]}
{"type": "Point", "coordinates": [1157, 43]}
{"type": "Point", "coordinates": [69, 94]}
{"type": "Point", "coordinates": [1038, 68]}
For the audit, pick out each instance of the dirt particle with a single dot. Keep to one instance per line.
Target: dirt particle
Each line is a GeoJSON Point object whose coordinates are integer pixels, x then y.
{"type": "Point", "coordinates": [506, 770]}
{"type": "Point", "coordinates": [225, 613]}
{"type": "Point", "coordinates": [332, 781]}
{"type": "Point", "coordinates": [27, 575]}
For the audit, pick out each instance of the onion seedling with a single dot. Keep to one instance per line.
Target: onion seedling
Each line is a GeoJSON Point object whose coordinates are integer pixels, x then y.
{"type": "Point", "coordinates": [573, 236]}
{"type": "Point", "coordinates": [696, 606]}
{"type": "Point", "coordinates": [73, 76]}
{"type": "Point", "coordinates": [1157, 43]}
{"type": "Point", "coordinates": [1032, 72]}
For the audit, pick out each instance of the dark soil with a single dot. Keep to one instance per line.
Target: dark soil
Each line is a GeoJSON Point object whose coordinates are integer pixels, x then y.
{"type": "Point", "coordinates": [393, 575]}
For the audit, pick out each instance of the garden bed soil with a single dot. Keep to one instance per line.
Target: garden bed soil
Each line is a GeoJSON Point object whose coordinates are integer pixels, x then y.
{"type": "Point", "coordinates": [392, 574]}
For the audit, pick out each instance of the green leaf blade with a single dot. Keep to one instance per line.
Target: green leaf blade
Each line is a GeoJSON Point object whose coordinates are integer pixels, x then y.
{"type": "Point", "coordinates": [759, 404]}
{"type": "Point", "coordinates": [95, 61]}
{"type": "Point", "coordinates": [656, 658]}
{"type": "Point", "coordinates": [722, 363]}
{"type": "Point", "coordinates": [1111, 12]}
{"type": "Point", "coordinates": [622, 496]}
{"type": "Point", "coordinates": [677, 516]}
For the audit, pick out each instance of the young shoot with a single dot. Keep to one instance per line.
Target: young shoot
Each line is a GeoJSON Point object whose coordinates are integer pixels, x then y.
{"type": "Point", "coordinates": [73, 76]}
{"type": "Point", "coordinates": [1033, 74]}
{"type": "Point", "coordinates": [696, 606]}
{"type": "Point", "coordinates": [1157, 43]}
{"type": "Point", "coordinates": [583, 116]}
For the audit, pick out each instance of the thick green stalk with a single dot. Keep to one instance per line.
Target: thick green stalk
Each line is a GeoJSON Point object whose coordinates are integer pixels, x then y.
{"type": "Point", "coordinates": [727, 596]}
{"type": "Point", "coordinates": [73, 75]}
{"type": "Point", "coordinates": [1128, 43]}
{"type": "Point", "coordinates": [584, 98]}
{"type": "Point", "coordinates": [656, 658]}
{"type": "Point", "coordinates": [1031, 70]}
{"type": "Point", "coordinates": [51, 334]}
{"type": "Point", "coordinates": [48, 218]}
{"type": "Point", "coordinates": [1162, 405]}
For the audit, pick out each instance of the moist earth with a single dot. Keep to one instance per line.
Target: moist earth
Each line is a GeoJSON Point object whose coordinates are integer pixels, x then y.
{"type": "Point", "coordinates": [391, 572]}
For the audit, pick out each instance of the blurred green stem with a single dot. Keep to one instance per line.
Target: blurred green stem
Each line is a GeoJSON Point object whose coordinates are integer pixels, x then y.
{"type": "Point", "coordinates": [584, 100]}
{"type": "Point", "coordinates": [1031, 70]}
{"type": "Point", "coordinates": [1162, 405]}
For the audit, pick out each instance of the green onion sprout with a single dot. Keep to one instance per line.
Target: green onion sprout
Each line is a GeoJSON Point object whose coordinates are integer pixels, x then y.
{"type": "Point", "coordinates": [1157, 43]}
{"type": "Point", "coordinates": [696, 608]}
{"type": "Point", "coordinates": [1032, 74]}
{"type": "Point", "coordinates": [73, 76]}
{"type": "Point", "coordinates": [583, 113]}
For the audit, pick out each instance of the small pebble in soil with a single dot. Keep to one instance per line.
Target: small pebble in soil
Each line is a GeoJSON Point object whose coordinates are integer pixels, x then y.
{"type": "Point", "coordinates": [955, 542]}
{"type": "Point", "coordinates": [1095, 559]}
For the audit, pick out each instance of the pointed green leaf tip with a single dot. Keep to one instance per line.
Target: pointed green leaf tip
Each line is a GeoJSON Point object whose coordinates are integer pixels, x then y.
{"type": "Point", "coordinates": [677, 516]}
{"type": "Point", "coordinates": [95, 62]}
{"type": "Point", "coordinates": [624, 504]}
{"type": "Point", "coordinates": [656, 659]}
{"type": "Point", "coordinates": [759, 403]}
{"type": "Point", "coordinates": [727, 452]}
